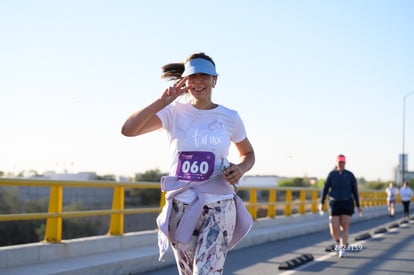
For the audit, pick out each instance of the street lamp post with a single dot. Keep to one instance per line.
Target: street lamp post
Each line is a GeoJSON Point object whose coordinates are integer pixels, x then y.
{"type": "Point", "coordinates": [403, 139]}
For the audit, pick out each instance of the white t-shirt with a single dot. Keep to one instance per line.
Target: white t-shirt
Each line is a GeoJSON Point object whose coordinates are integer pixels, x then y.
{"type": "Point", "coordinates": [406, 193]}
{"type": "Point", "coordinates": [192, 129]}
{"type": "Point", "coordinates": [391, 193]}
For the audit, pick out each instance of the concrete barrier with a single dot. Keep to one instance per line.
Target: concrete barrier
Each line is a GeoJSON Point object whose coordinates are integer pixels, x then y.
{"type": "Point", "coordinates": [137, 252]}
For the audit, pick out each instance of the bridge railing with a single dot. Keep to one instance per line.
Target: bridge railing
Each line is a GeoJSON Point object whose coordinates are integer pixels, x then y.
{"type": "Point", "coordinates": [260, 201]}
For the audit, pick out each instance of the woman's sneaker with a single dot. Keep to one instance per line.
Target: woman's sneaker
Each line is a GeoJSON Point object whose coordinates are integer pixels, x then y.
{"type": "Point", "coordinates": [331, 248]}
{"type": "Point", "coordinates": [342, 253]}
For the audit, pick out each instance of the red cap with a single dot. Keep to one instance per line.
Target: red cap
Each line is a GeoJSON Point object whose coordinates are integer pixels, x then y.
{"type": "Point", "coordinates": [341, 158]}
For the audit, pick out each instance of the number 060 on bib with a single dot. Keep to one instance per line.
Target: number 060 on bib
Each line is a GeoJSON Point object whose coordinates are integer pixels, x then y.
{"type": "Point", "coordinates": [195, 165]}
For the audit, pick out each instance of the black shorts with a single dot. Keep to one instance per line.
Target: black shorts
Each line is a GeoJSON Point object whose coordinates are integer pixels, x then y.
{"type": "Point", "coordinates": [342, 207]}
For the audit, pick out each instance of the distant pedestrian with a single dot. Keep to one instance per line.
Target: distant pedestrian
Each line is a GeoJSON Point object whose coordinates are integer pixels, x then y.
{"type": "Point", "coordinates": [391, 197]}
{"type": "Point", "coordinates": [406, 193]}
{"type": "Point", "coordinates": [341, 186]}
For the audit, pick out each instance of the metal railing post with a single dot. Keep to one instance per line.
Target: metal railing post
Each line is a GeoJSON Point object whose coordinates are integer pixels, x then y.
{"type": "Point", "coordinates": [162, 199]}
{"type": "Point", "coordinates": [362, 201]}
{"type": "Point", "coordinates": [288, 202]}
{"type": "Point", "coordinates": [53, 232]}
{"type": "Point", "coordinates": [117, 219]}
{"type": "Point", "coordinates": [252, 202]}
{"type": "Point", "coordinates": [302, 198]}
{"type": "Point", "coordinates": [271, 212]}
{"type": "Point", "coordinates": [314, 207]}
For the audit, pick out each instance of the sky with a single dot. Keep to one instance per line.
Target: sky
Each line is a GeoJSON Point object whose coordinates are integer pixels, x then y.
{"type": "Point", "coordinates": [310, 79]}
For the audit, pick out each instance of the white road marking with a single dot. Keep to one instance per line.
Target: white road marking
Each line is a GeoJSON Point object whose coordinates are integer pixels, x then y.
{"type": "Point", "coordinates": [333, 254]}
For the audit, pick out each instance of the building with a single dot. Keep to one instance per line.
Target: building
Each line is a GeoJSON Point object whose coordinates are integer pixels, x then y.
{"type": "Point", "coordinates": [259, 181]}
{"type": "Point", "coordinates": [403, 162]}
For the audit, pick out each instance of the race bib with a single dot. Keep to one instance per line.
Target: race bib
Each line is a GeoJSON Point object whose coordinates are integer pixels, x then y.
{"type": "Point", "coordinates": [195, 165]}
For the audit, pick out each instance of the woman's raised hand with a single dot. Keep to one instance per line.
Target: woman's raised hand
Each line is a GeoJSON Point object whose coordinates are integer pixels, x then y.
{"type": "Point", "coordinates": [174, 91]}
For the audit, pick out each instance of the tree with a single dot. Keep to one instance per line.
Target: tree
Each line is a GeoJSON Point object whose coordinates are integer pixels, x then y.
{"type": "Point", "coordinates": [106, 177]}
{"type": "Point", "coordinates": [153, 175]}
{"type": "Point", "coordinates": [9, 198]}
{"type": "Point", "coordinates": [17, 232]}
{"type": "Point", "coordinates": [293, 182]}
{"type": "Point", "coordinates": [147, 197]}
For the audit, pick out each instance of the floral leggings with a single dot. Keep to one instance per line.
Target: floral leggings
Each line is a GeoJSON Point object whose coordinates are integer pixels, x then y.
{"type": "Point", "coordinates": [207, 250]}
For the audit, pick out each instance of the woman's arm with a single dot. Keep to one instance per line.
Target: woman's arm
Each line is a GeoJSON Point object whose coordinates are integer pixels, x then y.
{"type": "Point", "coordinates": [143, 121]}
{"type": "Point", "coordinates": [325, 190]}
{"type": "Point", "coordinates": [246, 162]}
{"type": "Point", "coordinates": [146, 120]}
